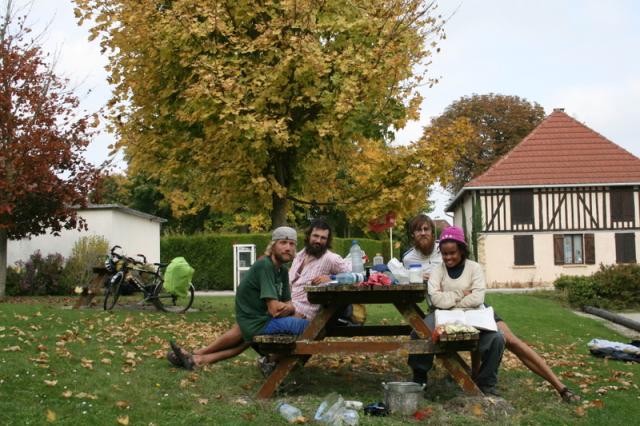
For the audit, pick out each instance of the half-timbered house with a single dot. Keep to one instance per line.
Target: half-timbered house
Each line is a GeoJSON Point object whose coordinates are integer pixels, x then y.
{"type": "Point", "coordinates": [563, 201]}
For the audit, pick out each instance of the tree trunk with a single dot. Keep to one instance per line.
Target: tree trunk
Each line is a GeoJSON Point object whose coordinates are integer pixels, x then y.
{"type": "Point", "coordinates": [3, 261]}
{"type": "Point", "coordinates": [279, 211]}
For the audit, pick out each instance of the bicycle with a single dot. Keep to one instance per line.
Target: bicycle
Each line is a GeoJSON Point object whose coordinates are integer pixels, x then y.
{"type": "Point", "coordinates": [131, 275]}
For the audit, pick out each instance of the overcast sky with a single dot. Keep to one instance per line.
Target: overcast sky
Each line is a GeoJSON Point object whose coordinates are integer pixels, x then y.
{"type": "Point", "coordinates": [580, 55]}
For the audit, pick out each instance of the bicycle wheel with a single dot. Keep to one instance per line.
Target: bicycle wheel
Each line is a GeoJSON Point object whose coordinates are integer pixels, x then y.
{"type": "Point", "coordinates": [167, 302]}
{"type": "Point", "coordinates": [112, 292]}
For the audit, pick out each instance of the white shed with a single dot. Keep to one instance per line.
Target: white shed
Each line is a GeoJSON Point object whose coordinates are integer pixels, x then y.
{"type": "Point", "coordinates": [133, 230]}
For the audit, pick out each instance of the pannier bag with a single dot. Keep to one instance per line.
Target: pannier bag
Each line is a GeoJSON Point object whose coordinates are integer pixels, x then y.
{"type": "Point", "coordinates": [177, 277]}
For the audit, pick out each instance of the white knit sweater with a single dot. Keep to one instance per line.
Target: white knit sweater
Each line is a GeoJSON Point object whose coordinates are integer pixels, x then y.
{"type": "Point", "coordinates": [447, 293]}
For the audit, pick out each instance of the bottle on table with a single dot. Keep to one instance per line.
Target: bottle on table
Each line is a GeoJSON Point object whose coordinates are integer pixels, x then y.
{"type": "Point", "coordinates": [289, 412]}
{"type": "Point", "coordinates": [356, 258]}
{"type": "Point", "coordinates": [378, 259]}
{"type": "Point", "coordinates": [348, 277]}
{"type": "Point", "coordinates": [415, 273]}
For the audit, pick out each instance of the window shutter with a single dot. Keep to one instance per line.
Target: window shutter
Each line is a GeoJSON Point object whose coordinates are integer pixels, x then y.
{"type": "Point", "coordinates": [558, 249]}
{"type": "Point", "coordinates": [523, 250]}
{"type": "Point", "coordinates": [622, 207]}
{"type": "Point", "coordinates": [625, 248]}
{"type": "Point", "coordinates": [589, 250]}
{"type": "Point", "coordinates": [521, 202]}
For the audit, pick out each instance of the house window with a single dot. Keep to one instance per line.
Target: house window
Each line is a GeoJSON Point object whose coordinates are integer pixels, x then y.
{"type": "Point", "coordinates": [574, 249]}
{"type": "Point", "coordinates": [523, 250]}
{"type": "Point", "coordinates": [521, 206]}
{"type": "Point", "coordinates": [626, 248]}
{"type": "Point", "coordinates": [622, 208]}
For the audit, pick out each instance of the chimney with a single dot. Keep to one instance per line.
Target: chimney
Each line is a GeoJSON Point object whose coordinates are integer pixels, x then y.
{"type": "Point", "coordinates": [558, 110]}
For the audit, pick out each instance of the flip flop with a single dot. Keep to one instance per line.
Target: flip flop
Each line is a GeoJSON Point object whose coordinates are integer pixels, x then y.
{"type": "Point", "coordinates": [568, 396]}
{"type": "Point", "coordinates": [173, 359]}
{"type": "Point", "coordinates": [185, 358]}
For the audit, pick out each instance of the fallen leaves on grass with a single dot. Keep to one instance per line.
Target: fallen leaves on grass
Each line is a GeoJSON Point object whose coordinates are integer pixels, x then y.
{"type": "Point", "coordinates": [203, 401]}
{"type": "Point", "coordinates": [476, 410]}
{"type": "Point", "coordinates": [51, 416]}
{"type": "Point", "coordinates": [85, 395]}
{"type": "Point", "coordinates": [50, 382]}
{"type": "Point", "coordinates": [12, 349]}
{"type": "Point", "coordinates": [67, 394]}
{"type": "Point", "coordinates": [123, 420]}
{"type": "Point", "coordinates": [122, 404]}
{"type": "Point", "coordinates": [86, 363]}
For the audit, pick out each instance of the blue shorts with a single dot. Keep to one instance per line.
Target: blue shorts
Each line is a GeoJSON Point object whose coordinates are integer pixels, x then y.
{"type": "Point", "coordinates": [285, 325]}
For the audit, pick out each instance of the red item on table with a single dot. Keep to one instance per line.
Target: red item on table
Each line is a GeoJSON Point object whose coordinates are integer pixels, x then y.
{"type": "Point", "coordinates": [378, 279]}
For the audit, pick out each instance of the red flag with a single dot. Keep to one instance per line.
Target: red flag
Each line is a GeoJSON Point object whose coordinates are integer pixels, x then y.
{"type": "Point", "coordinates": [382, 223]}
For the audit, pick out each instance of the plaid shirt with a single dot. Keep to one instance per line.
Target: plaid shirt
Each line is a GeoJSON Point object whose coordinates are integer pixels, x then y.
{"type": "Point", "coordinates": [329, 263]}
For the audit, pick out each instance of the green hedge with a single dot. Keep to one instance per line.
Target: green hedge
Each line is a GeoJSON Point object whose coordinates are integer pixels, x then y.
{"type": "Point", "coordinates": [211, 255]}
{"type": "Point", "coordinates": [614, 286]}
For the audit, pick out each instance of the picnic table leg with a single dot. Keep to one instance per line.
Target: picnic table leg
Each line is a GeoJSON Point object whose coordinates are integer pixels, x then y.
{"type": "Point", "coordinates": [282, 370]}
{"type": "Point", "coordinates": [453, 363]}
{"type": "Point", "coordinates": [314, 331]}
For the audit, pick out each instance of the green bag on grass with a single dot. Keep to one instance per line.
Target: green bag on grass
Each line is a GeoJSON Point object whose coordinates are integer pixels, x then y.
{"type": "Point", "coordinates": [178, 276]}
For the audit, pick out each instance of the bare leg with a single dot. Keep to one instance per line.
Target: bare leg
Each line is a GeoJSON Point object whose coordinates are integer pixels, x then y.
{"type": "Point", "coordinates": [228, 345]}
{"type": "Point", "coordinates": [210, 358]}
{"type": "Point", "coordinates": [228, 340]}
{"type": "Point", "coordinates": [529, 357]}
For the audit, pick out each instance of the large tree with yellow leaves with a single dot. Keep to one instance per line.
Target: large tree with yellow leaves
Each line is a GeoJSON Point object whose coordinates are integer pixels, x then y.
{"type": "Point", "coordinates": [246, 106]}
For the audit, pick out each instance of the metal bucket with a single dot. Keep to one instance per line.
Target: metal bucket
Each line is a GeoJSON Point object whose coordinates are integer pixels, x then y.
{"type": "Point", "coordinates": [402, 397]}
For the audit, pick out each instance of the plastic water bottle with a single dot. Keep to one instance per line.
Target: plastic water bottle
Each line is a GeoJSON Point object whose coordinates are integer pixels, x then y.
{"type": "Point", "coordinates": [378, 259]}
{"type": "Point", "coordinates": [356, 258]}
{"type": "Point", "coordinates": [288, 412]}
{"type": "Point", "coordinates": [348, 277]}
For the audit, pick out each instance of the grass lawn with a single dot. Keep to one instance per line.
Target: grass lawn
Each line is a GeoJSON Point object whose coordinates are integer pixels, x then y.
{"type": "Point", "coordinates": [94, 367]}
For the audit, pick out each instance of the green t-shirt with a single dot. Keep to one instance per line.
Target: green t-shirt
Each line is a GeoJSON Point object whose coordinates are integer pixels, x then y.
{"type": "Point", "coordinates": [263, 281]}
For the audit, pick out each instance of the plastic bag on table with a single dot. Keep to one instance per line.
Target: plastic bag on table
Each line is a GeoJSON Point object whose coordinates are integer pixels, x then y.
{"type": "Point", "coordinates": [398, 270]}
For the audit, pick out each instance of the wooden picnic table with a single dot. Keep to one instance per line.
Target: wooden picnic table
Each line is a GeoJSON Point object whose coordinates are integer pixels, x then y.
{"type": "Point", "coordinates": [333, 300]}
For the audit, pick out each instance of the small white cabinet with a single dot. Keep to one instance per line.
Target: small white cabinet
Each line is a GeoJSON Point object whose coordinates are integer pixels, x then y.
{"type": "Point", "coordinates": [244, 255]}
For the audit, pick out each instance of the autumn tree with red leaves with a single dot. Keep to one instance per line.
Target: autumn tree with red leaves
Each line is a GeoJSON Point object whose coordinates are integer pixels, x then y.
{"type": "Point", "coordinates": [43, 173]}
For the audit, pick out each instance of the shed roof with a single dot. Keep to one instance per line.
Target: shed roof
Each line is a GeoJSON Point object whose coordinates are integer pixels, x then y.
{"type": "Point", "coordinates": [124, 209]}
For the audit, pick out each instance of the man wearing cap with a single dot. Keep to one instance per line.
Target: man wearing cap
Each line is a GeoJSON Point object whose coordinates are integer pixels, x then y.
{"type": "Point", "coordinates": [421, 232]}
{"type": "Point", "coordinates": [263, 306]}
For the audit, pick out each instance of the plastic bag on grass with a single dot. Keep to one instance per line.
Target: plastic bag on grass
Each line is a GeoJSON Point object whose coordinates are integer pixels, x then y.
{"type": "Point", "coordinates": [333, 411]}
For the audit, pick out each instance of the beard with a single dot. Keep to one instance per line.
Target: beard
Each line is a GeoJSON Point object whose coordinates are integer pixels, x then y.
{"type": "Point", "coordinates": [315, 250]}
{"type": "Point", "coordinates": [425, 245]}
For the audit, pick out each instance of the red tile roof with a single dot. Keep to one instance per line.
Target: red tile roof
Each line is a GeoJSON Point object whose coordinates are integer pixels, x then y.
{"type": "Point", "coordinates": [562, 151]}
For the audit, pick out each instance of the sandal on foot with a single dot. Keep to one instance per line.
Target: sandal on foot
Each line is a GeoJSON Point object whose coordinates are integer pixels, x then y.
{"type": "Point", "coordinates": [568, 396]}
{"type": "Point", "coordinates": [173, 359]}
{"type": "Point", "coordinates": [185, 358]}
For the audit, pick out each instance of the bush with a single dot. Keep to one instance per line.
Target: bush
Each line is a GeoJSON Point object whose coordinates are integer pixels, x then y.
{"type": "Point", "coordinates": [211, 255]}
{"type": "Point", "coordinates": [620, 284]}
{"type": "Point", "coordinates": [14, 276]}
{"type": "Point", "coordinates": [614, 286]}
{"type": "Point", "coordinates": [43, 275]}
{"type": "Point", "coordinates": [87, 252]}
